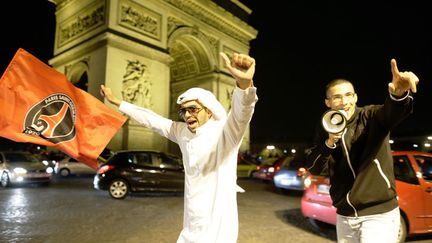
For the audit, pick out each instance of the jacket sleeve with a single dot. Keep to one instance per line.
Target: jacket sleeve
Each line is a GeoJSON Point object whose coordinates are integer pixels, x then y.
{"type": "Point", "coordinates": [319, 155]}
{"type": "Point", "coordinates": [395, 110]}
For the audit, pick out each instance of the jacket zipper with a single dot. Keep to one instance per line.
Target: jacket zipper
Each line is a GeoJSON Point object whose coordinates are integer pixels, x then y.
{"type": "Point", "coordinates": [352, 170]}
{"type": "Point", "coordinates": [382, 173]}
{"type": "Point", "coordinates": [313, 164]}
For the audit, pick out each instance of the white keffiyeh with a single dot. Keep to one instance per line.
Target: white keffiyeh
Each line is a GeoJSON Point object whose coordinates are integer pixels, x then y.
{"type": "Point", "coordinates": [206, 98]}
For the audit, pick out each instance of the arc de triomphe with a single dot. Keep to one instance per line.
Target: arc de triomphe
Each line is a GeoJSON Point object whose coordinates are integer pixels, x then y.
{"type": "Point", "coordinates": [148, 52]}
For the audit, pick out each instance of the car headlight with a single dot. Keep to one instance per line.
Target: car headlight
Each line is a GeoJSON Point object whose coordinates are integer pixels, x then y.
{"type": "Point", "coordinates": [49, 170]}
{"type": "Point", "coordinates": [19, 170]}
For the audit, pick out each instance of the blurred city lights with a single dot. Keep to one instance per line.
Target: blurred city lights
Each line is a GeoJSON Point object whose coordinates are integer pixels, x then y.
{"type": "Point", "coordinates": [270, 147]}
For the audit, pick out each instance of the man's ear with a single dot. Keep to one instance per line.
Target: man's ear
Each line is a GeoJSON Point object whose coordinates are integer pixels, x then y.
{"type": "Point", "coordinates": [327, 102]}
{"type": "Point", "coordinates": [209, 113]}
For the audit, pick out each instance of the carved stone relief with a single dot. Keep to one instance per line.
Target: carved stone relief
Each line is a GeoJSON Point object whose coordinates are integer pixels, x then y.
{"type": "Point", "coordinates": [82, 23]}
{"type": "Point", "coordinates": [140, 19]}
{"type": "Point", "coordinates": [136, 87]}
{"type": "Point", "coordinates": [173, 23]}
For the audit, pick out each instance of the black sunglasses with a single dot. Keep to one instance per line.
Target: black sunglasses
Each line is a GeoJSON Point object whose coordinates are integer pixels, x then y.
{"type": "Point", "coordinates": [193, 110]}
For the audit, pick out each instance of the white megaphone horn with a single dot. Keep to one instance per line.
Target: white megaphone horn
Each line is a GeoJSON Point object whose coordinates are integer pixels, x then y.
{"type": "Point", "coordinates": [334, 121]}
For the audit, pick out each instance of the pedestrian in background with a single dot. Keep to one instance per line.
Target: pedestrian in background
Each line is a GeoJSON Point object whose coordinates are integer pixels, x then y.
{"type": "Point", "coordinates": [209, 140]}
{"type": "Point", "coordinates": [359, 160]}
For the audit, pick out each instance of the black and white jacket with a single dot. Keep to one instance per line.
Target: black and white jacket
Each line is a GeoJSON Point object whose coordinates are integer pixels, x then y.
{"type": "Point", "coordinates": [361, 165]}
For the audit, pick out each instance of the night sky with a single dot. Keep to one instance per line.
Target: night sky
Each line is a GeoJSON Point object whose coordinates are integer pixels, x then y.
{"type": "Point", "coordinates": [301, 45]}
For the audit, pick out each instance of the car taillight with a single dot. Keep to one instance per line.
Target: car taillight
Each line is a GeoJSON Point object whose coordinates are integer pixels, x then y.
{"type": "Point", "coordinates": [105, 168]}
{"type": "Point", "coordinates": [301, 172]}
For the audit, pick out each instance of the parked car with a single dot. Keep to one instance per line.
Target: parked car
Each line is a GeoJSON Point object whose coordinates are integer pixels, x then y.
{"type": "Point", "coordinates": [413, 175]}
{"type": "Point", "coordinates": [290, 176]}
{"type": "Point", "coordinates": [135, 171]}
{"type": "Point", "coordinates": [70, 166]}
{"type": "Point", "coordinates": [268, 168]}
{"type": "Point", "coordinates": [22, 167]}
{"type": "Point", "coordinates": [246, 168]}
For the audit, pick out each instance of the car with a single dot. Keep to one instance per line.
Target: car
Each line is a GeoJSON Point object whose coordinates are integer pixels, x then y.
{"type": "Point", "coordinates": [246, 168]}
{"type": "Point", "coordinates": [22, 168]}
{"type": "Point", "coordinates": [70, 166]}
{"type": "Point", "coordinates": [290, 176]}
{"type": "Point", "coordinates": [140, 171]}
{"type": "Point", "coordinates": [268, 168]}
{"type": "Point", "coordinates": [413, 175]}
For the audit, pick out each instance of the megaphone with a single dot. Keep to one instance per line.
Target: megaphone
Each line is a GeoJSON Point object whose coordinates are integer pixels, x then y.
{"type": "Point", "coordinates": [334, 121]}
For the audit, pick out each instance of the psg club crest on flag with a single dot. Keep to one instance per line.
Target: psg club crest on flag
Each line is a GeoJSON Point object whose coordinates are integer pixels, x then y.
{"type": "Point", "coordinates": [53, 119]}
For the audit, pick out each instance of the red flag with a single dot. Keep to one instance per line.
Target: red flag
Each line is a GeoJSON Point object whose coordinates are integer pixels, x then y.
{"type": "Point", "coordinates": [39, 105]}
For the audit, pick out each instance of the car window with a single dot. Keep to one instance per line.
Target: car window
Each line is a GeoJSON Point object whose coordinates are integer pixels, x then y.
{"type": "Point", "coordinates": [403, 170]}
{"type": "Point", "coordinates": [124, 158]}
{"type": "Point", "coordinates": [20, 157]}
{"type": "Point", "coordinates": [425, 164]}
{"type": "Point", "coordinates": [245, 162]}
{"type": "Point", "coordinates": [143, 159]}
{"type": "Point", "coordinates": [162, 160]}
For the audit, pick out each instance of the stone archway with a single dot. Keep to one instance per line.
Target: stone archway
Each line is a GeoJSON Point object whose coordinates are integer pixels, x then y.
{"type": "Point", "coordinates": [193, 61]}
{"type": "Point", "coordinates": [77, 74]}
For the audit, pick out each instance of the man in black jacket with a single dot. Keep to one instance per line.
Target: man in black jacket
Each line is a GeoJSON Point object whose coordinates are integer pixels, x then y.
{"type": "Point", "coordinates": [359, 162]}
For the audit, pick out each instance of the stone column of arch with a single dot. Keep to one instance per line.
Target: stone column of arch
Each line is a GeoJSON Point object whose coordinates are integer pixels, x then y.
{"type": "Point", "coordinates": [148, 52]}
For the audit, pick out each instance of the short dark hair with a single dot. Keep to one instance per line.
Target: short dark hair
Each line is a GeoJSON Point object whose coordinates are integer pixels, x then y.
{"type": "Point", "coordinates": [335, 82]}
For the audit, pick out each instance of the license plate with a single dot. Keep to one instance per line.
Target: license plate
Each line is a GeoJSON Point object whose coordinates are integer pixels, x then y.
{"type": "Point", "coordinates": [323, 189]}
{"type": "Point", "coordinates": [287, 181]}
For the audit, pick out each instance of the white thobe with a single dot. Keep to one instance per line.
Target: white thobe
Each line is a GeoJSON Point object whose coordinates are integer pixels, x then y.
{"type": "Point", "coordinates": [210, 162]}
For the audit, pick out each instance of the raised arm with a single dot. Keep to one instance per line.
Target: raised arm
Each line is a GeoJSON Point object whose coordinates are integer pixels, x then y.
{"type": "Point", "coordinates": [402, 81]}
{"type": "Point", "coordinates": [242, 68]}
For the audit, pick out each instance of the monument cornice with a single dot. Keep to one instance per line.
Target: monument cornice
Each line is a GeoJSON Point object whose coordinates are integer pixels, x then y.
{"type": "Point", "coordinates": [210, 13]}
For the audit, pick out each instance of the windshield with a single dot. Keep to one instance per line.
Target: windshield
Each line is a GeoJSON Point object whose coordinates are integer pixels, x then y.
{"type": "Point", "coordinates": [425, 164]}
{"type": "Point", "coordinates": [292, 164]}
{"type": "Point", "coordinates": [20, 157]}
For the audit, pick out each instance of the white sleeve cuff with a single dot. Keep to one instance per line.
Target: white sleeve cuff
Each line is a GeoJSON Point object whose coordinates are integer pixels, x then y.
{"type": "Point", "coordinates": [328, 146]}
{"type": "Point", "coordinates": [399, 99]}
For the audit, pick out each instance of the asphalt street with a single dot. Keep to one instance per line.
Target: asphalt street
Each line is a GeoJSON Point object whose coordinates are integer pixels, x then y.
{"type": "Point", "coordinates": [71, 210]}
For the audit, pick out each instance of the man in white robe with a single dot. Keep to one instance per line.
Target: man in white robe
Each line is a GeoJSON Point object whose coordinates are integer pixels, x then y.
{"type": "Point", "coordinates": [209, 140]}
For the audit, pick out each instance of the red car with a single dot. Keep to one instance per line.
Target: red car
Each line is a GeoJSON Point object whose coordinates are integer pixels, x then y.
{"type": "Point", "coordinates": [413, 172]}
{"type": "Point", "coordinates": [268, 168]}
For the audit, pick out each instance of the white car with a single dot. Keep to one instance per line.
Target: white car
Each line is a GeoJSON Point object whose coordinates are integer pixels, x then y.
{"type": "Point", "coordinates": [70, 166]}
{"type": "Point", "coordinates": [22, 167]}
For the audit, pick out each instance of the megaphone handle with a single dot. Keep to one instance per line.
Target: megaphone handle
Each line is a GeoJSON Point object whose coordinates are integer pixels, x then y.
{"type": "Point", "coordinates": [333, 139]}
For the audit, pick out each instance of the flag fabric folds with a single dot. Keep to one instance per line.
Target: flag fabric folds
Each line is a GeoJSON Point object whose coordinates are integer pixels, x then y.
{"type": "Point", "coordinates": [39, 105]}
